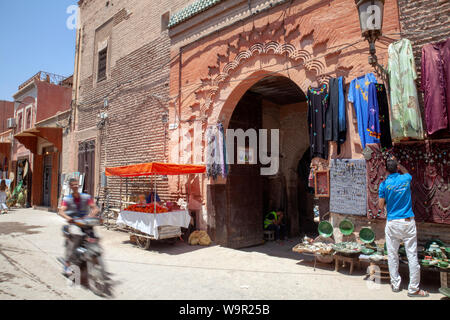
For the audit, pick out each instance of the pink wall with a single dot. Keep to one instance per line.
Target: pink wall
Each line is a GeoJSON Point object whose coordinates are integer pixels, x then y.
{"type": "Point", "coordinates": [51, 100]}
{"type": "Point", "coordinates": [6, 112]}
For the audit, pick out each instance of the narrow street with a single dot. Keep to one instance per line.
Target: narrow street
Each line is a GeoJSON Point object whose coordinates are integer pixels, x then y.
{"type": "Point", "coordinates": [31, 241]}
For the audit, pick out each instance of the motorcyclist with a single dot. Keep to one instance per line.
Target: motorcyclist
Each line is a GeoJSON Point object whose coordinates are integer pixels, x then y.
{"type": "Point", "coordinates": [76, 205]}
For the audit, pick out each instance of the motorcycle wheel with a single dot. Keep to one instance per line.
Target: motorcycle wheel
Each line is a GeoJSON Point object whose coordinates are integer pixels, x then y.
{"type": "Point", "coordinates": [143, 243]}
{"type": "Point", "coordinates": [96, 277]}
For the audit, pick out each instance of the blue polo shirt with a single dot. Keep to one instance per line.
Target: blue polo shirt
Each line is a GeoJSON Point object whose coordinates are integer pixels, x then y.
{"type": "Point", "coordinates": [396, 190]}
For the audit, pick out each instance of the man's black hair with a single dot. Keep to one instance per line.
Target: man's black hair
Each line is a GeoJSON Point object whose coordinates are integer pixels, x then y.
{"type": "Point", "coordinates": [73, 180]}
{"type": "Point", "coordinates": [391, 166]}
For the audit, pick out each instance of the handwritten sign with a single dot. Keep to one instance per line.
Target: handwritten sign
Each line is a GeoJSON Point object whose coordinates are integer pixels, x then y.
{"type": "Point", "coordinates": [348, 187]}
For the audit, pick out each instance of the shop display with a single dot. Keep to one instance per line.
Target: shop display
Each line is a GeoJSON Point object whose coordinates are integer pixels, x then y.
{"type": "Point", "coordinates": [317, 99]}
{"type": "Point", "coordinates": [358, 95]}
{"type": "Point", "coordinates": [148, 208]}
{"type": "Point", "coordinates": [144, 221]}
{"type": "Point", "coordinates": [322, 245]}
{"type": "Point", "coordinates": [405, 113]}
{"type": "Point", "coordinates": [348, 187]}
{"type": "Point", "coordinates": [347, 247]}
{"type": "Point", "coordinates": [436, 85]}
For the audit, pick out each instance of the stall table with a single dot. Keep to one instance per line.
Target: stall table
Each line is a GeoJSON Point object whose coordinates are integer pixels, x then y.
{"type": "Point", "coordinates": [154, 226]}
{"type": "Point", "coordinates": [151, 224]}
{"type": "Point", "coordinates": [351, 259]}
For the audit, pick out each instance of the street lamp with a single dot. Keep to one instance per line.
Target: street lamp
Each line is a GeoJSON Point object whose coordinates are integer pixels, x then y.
{"type": "Point", "coordinates": [371, 23]}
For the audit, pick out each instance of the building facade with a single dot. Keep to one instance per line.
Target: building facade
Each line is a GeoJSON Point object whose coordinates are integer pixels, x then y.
{"type": "Point", "coordinates": [151, 79]}
{"type": "Point", "coordinates": [6, 112]}
{"type": "Point", "coordinates": [40, 106]}
{"type": "Point", "coordinates": [249, 65]}
{"type": "Point", "coordinates": [121, 90]}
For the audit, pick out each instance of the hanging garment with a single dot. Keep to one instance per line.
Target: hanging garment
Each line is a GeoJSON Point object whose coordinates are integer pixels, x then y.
{"type": "Point", "coordinates": [405, 117]}
{"type": "Point", "coordinates": [373, 122]}
{"type": "Point", "coordinates": [384, 119]}
{"type": "Point", "coordinates": [222, 150]}
{"type": "Point", "coordinates": [336, 118]}
{"type": "Point", "coordinates": [332, 113]}
{"type": "Point", "coordinates": [342, 112]}
{"type": "Point", "coordinates": [336, 124]}
{"type": "Point", "coordinates": [317, 105]}
{"type": "Point", "coordinates": [436, 85]}
{"type": "Point", "coordinates": [214, 153]}
{"type": "Point", "coordinates": [359, 96]}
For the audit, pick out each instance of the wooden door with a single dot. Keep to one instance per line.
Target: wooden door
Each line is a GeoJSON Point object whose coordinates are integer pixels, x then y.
{"type": "Point", "coordinates": [47, 188]}
{"type": "Point", "coordinates": [244, 183]}
{"type": "Point", "coordinates": [86, 165]}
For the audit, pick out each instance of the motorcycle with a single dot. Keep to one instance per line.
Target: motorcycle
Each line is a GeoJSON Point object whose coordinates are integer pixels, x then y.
{"type": "Point", "coordinates": [88, 256]}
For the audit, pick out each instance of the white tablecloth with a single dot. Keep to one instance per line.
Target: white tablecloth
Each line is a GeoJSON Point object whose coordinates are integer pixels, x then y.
{"type": "Point", "coordinates": [148, 222]}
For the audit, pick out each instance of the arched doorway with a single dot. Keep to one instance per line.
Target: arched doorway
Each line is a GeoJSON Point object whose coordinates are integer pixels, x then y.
{"type": "Point", "coordinates": [274, 102]}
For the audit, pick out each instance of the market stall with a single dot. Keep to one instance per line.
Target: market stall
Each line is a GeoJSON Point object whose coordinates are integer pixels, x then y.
{"type": "Point", "coordinates": [154, 221]}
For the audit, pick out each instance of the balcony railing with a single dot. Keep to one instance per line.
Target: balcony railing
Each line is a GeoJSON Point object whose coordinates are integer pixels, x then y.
{"type": "Point", "coordinates": [48, 77]}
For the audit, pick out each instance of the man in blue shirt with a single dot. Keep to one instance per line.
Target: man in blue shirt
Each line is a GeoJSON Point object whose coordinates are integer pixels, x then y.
{"type": "Point", "coordinates": [395, 194]}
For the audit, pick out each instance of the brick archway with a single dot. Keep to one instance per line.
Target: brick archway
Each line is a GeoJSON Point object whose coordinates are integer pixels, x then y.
{"type": "Point", "coordinates": [248, 74]}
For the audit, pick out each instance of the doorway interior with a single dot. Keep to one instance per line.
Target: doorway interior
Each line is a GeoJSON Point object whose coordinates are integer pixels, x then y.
{"type": "Point", "coordinates": [273, 103]}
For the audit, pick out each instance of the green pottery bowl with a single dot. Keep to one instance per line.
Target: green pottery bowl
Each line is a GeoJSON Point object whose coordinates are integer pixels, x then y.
{"type": "Point", "coordinates": [443, 264]}
{"type": "Point", "coordinates": [367, 251]}
{"type": "Point", "coordinates": [367, 235]}
{"type": "Point", "coordinates": [346, 227]}
{"type": "Point", "coordinates": [325, 229]}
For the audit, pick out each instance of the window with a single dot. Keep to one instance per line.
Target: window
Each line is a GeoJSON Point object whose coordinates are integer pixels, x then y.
{"type": "Point", "coordinates": [165, 18]}
{"type": "Point", "coordinates": [28, 118]}
{"type": "Point", "coordinates": [19, 121]}
{"type": "Point", "coordinates": [102, 62]}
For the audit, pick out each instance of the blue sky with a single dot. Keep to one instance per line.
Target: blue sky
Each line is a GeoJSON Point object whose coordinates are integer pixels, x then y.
{"type": "Point", "coordinates": [34, 37]}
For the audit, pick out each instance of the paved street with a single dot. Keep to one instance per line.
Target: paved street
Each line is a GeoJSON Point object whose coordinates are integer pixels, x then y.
{"type": "Point", "coordinates": [30, 242]}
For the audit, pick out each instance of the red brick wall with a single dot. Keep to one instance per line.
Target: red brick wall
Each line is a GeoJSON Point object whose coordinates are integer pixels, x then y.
{"type": "Point", "coordinates": [137, 87]}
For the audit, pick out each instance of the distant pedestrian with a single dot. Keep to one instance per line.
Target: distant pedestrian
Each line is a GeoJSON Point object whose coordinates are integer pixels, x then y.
{"type": "Point", "coordinates": [3, 197]}
{"type": "Point", "coordinates": [395, 193]}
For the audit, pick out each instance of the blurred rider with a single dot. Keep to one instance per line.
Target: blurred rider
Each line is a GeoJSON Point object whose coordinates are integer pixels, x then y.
{"type": "Point", "coordinates": [76, 205]}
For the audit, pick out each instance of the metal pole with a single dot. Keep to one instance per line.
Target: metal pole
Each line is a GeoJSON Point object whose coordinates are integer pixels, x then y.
{"type": "Point", "coordinates": [187, 195]}
{"type": "Point", "coordinates": [154, 194]}
{"type": "Point", "coordinates": [126, 192]}
{"type": "Point", "coordinates": [120, 207]}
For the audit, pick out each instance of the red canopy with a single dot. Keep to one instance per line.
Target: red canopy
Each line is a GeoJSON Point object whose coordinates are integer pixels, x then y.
{"type": "Point", "coordinates": [154, 168]}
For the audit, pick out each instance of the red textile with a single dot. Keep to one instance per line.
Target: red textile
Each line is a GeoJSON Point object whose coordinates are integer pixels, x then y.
{"type": "Point", "coordinates": [429, 166]}
{"type": "Point", "coordinates": [154, 168]}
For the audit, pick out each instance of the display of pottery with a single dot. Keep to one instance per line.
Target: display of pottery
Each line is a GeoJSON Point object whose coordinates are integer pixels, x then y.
{"type": "Point", "coordinates": [347, 247]}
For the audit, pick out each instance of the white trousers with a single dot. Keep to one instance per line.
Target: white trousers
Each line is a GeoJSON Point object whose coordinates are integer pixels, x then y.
{"type": "Point", "coordinates": [3, 206]}
{"type": "Point", "coordinates": [398, 231]}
